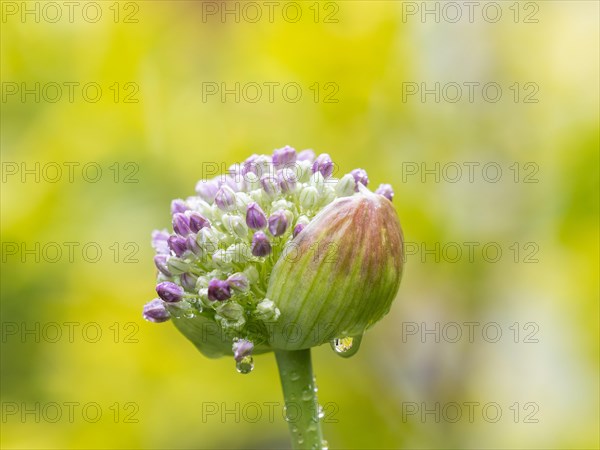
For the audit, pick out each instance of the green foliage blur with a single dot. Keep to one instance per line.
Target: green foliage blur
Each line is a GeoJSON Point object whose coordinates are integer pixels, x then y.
{"type": "Point", "coordinates": [157, 120]}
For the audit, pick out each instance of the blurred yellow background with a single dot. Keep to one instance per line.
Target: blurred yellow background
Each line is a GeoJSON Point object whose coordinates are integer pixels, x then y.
{"type": "Point", "coordinates": [147, 91]}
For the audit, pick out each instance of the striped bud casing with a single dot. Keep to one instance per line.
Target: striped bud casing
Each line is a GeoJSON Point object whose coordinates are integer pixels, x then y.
{"type": "Point", "coordinates": [350, 283]}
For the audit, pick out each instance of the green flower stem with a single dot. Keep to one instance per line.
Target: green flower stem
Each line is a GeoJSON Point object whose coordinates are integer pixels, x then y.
{"type": "Point", "coordinates": [302, 407]}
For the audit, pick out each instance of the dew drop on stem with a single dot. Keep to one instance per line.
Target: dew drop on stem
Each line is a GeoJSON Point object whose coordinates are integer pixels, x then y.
{"type": "Point", "coordinates": [346, 346]}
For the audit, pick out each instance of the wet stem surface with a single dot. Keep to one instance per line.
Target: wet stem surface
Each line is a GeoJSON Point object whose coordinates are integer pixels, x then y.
{"type": "Point", "coordinates": [300, 394]}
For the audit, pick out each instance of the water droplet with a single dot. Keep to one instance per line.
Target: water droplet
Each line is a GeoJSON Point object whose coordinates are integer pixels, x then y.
{"type": "Point", "coordinates": [196, 304]}
{"type": "Point", "coordinates": [182, 310]}
{"type": "Point", "coordinates": [312, 427]}
{"type": "Point", "coordinates": [307, 395]}
{"type": "Point", "coordinates": [286, 416]}
{"type": "Point", "coordinates": [245, 365]}
{"type": "Point", "coordinates": [300, 439]}
{"type": "Point", "coordinates": [175, 311]}
{"type": "Point", "coordinates": [342, 345]}
{"type": "Point", "coordinates": [346, 346]}
{"type": "Point", "coordinates": [324, 445]}
{"type": "Point", "coordinates": [321, 412]}
{"type": "Point", "coordinates": [294, 376]}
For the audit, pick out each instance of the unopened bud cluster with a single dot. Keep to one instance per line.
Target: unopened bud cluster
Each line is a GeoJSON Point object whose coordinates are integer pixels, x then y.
{"type": "Point", "coordinates": [216, 262]}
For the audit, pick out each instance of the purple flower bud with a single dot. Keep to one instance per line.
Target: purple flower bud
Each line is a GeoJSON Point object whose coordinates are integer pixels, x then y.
{"type": "Point", "coordinates": [306, 155]}
{"type": "Point", "coordinates": [239, 282]}
{"type": "Point", "coordinates": [255, 217]}
{"type": "Point", "coordinates": [218, 290]}
{"type": "Point", "coordinates": [278, 223]}
{"type": "Point", "coordinates": [160, 261]}
{"type": "Point", "coordinates": [297, 229]}
{"type": "Point", "coordinates": [198, 221]}
{"type": "Point", "coordinates": [159, 242]}
{"type": "Point", "coordinates": [188, 281]}
{"type": "Point", "coordinates": [225, 198]}
{"type": "Point", "coordinates": [177, 244]}
{"type": "Point", "coordinates": [207, 190]}
{"type": "Point", "coordinates": [284, 156]}
{"type": "Point", "coordinates": [155, 311]}
{"type": "Point", "coordinates": [287, 180]}
{"type": "Point", "coordinates": [249, 165]}
{"type": "Point", "coordinates": [242, 348]}
{"type": "Point", "coordinates": [260, 244]}
{"type": "Point", "coordinates": [360, 176]}
{"type": "Point", "coordinates": [269, 185]}
{"type": "Point", "coordinates": [178, 206]}
{"type": "Point", "coordinates": [385, 190]}
{"type": "Point", "coordinates": [181, 224]}
{"type": "Point", "coordinates": [323, 164]}
{"type": "Point", "coordinates": [169, 292]}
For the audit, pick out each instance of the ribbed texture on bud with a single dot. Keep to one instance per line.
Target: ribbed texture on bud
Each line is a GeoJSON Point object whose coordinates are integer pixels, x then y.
{"type": "Point", "coordinates": [178, 206]}
{"type": "Point", "coordinates": [169, 292]}
{"type": "Point", "coordinates": [287, 180]}
{"type": "Point", "coordinates": [260, 244]}
{"type": "Point", "coordinates": [255, 217]}
{"type": "Point", "coordinates": [155, 311]}
{"type": "Point", "coordinates": [181, 224]}
{"type": "Point", "coordinates": [278, 223]}
{"type": "Point", "coordinates": [297, 229]}
{"type": "Point", "coordinates": [225, 198]}
{"type": "Point", "coordinates": [269, 185]}
{"type": "Point", "coordinates": [346, 276]}
{"type": "Point", "coordinates": [284, 156]}
{"type": "Point", "coordinates": [218, 290]}
{"type": "Point", "coordinates": [198, 221]}
{"type": "Point", "coordinates": [239, 282]}
{"type": "Point", "coordinates": [323, 164]}
{"type": "Point", "coordinates": [177, 244]}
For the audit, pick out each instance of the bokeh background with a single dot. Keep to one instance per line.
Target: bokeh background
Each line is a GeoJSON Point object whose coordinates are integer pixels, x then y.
{"type": "Point", "coordinates": [159, 123]}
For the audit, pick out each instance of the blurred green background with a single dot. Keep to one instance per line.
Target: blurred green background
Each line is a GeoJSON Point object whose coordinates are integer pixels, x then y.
{"type": "Point", "coordinates": [139, 385]}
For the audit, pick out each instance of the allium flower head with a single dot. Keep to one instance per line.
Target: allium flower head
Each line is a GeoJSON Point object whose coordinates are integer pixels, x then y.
{"type": "Point", "coordinates": [251, 252]}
